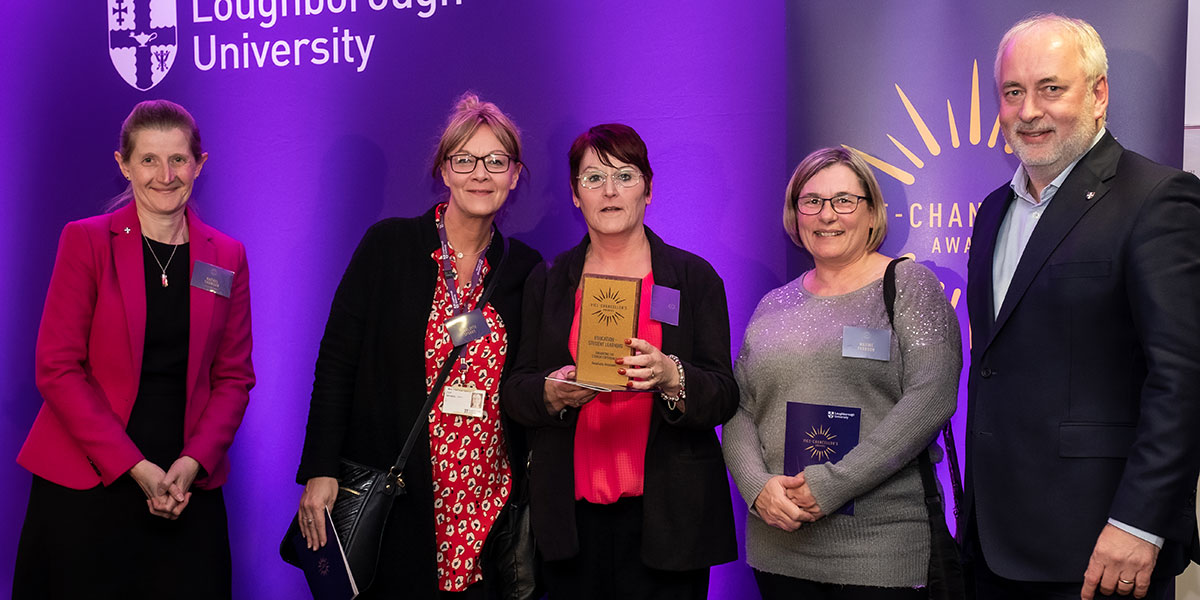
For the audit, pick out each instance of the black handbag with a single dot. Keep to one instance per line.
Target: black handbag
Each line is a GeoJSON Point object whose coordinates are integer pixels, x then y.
{"type": "Point", "coordinates": [364, 500]}
{"type": "Point", "coordinates": [366, 494]}
{"type": "Point", "coordinates": [946, 579]}
{"type": "Point", "coordinates": [509, 552]}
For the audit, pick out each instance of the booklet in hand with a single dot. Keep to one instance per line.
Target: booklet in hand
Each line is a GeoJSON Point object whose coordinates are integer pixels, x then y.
{"type": "Point", "coordinates": [326, 569]}
{"type": "Point", "coordinates": [819, 433]}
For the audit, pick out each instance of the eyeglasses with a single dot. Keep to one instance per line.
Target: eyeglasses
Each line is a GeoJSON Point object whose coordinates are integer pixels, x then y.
{"type": "Point", "coordinates": [464, 162]}
{"type": "Point", "coordinates": [842, 204]}
{"type": "Point", "coordinates": [594, 178]}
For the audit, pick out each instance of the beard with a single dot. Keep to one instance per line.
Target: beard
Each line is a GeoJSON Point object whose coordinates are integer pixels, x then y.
{"type": "Point", "coordinates": [1061, 154]}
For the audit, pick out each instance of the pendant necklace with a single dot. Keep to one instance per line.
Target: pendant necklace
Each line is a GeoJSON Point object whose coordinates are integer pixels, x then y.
{"type": "Point", "coordinates": [161, 266]}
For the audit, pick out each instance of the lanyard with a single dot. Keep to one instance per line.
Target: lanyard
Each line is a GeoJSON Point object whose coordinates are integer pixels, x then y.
{"type": "Point", "coordinates": [448, 268]}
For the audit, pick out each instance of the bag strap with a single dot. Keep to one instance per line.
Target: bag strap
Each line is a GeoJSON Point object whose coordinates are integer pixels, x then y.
{"type": "Point", "coordinates": [398, 468]}
{"type": "Point", "coordinates": [931, 491]}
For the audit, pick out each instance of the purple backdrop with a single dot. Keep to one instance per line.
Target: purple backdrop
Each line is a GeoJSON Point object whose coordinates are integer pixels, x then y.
{"type": "Point", "coordinates": [303, 157]}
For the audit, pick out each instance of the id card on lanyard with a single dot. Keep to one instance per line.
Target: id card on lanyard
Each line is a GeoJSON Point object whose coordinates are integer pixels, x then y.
{"type": "Point", "coordinates": [463, 327]}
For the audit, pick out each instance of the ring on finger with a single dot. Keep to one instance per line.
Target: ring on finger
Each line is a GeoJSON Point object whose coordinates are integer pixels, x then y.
{"type": "Point", "coordinates": [1125, 581]}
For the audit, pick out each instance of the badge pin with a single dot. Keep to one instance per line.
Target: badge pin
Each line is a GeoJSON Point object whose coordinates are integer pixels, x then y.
{"type": "Point", "coordinates": [1090, 195]}
{"type": "Point", "coordinates": [126, 231]}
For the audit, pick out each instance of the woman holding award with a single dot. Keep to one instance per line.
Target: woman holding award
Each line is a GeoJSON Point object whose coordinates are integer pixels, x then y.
{"type": "Point", "coordinates": [628, 489]}
{"type": "Point", "coordinates": [825, 339]}
{"type": "Point", "coordinates": [390, 334]}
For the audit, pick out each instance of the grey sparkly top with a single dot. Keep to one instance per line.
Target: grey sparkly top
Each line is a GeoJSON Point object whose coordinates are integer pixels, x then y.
{"type": "Point", "coordinates": [792, 352]}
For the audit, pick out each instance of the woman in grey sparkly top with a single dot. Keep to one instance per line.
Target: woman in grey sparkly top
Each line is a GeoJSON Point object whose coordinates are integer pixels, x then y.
{"type": "Point", "coordinates": [905, 387]}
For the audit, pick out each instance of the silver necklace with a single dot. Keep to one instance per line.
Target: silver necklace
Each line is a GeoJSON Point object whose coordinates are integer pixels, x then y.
{"type": "Point", "coordinates": [161, 266]}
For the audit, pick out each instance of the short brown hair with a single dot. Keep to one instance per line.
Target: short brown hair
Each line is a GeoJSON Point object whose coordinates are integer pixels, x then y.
{"type": "Point", "coordinates": [823, 159]}
{"type": "Point", "coordinates": [162, 115]}
{"type": "Point", "coordinates": [611, 140]}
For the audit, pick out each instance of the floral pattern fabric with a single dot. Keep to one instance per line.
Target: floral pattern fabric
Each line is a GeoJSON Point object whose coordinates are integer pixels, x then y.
{"type": "Point", "coordinates": [472, 478]}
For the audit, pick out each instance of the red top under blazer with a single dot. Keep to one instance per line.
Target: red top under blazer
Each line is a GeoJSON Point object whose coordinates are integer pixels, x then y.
{"type": "Point", "coordinates": [89, 354]}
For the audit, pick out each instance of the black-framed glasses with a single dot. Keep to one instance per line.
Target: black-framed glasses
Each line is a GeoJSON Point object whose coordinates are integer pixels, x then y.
{"type": "Point", "coordinates": [464, 162]}
{"type": "Point", "coordinates": [624, 177]}
{"type": "Point", "coordinates": [842, 204]}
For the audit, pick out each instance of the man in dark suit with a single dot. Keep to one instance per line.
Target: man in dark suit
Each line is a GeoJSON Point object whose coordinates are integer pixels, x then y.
{"type": "Point", "coordinates": [1084, 298]}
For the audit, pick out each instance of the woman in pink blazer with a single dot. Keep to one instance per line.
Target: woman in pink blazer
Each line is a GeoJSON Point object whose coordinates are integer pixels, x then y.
{"type": "Point", "coordinates": [143, 360]}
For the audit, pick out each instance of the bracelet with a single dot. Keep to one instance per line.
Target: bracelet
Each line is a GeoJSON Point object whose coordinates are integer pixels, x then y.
{"type": "Point", "coordinates": [673, 400]}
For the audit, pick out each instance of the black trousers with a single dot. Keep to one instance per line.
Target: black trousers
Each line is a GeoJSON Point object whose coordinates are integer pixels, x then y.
{"type": "Point", "coordinates": [103, 543]}
{"type": "Point", "coordinates": [609, 564]}
{"type": "Point", "coordinates": [781, 587]}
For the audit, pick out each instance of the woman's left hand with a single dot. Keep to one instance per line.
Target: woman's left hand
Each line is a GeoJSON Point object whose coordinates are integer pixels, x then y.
{"type": "Point", "coordinates": [655, 370]}
{"type": "Point", "coordinates": [178, 481]}
{"type": "Point", "coordinates": [802, 496]}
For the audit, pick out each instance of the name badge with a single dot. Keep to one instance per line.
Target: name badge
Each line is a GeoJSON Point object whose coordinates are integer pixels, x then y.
{"type": "Point", "coordinates": [863, 342]}
{"type": "Point", "coordinates": [212, 278]}
{"type": "Point", "coordinates": [664, 305]}
{"type": "Point", "coordinates": [464, 401]}
{"type": "Point", "coordinates": [467, 327]}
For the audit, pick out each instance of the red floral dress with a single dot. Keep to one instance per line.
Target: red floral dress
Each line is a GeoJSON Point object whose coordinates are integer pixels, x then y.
{"type": "Point", "coordinates": [472, 477]}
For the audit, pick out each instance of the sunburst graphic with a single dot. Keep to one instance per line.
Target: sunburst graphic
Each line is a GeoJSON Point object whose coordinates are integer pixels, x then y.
{"type": "Point", "coordinates": [932, 145]}
{"type": "Point", "coordinates": [821, 446]}
{"type": "Point", "coordinates": [609, 316]}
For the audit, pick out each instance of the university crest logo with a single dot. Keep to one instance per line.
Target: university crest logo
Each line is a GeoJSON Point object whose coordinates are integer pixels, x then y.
{"type": "Point", "coordinates": [142, 40]}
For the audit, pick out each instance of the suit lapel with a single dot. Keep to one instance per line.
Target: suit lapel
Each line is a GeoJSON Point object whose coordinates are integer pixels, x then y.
{"type": "Point", "coordinates": [200, 302]}
{"type": "Point", "coordinates": [131, 277]}
{"type": "Point", "coordinates": [1084, 188]}
{"type": "Point", "coordinates": [983, 249]}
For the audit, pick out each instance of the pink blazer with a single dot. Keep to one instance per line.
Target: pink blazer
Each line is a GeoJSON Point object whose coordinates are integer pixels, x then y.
{"type": "Point", "coordinates": [89, 354]}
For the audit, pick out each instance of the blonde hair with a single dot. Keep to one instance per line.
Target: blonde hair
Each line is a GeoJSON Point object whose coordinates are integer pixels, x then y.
{"type": "Point", "coordinates": [820, 160]}
{"type": "Point", "coordinates": [468, 115]}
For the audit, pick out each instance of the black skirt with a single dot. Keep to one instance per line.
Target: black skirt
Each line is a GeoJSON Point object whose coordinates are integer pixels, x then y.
{"type": "Point", "coordinates": [104, 543]}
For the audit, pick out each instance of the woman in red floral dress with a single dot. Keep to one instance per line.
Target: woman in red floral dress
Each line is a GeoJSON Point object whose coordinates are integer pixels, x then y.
{"type": "Point", "coordinates": [384, 345]}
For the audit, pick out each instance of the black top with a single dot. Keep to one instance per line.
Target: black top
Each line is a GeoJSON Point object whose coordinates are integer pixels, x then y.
{"type": "Point", "coordinates": [370, 377]}
{"type": "Point", "coordinates": [687, 512]}
{"type": "Point", "coordinates": [156, 423]}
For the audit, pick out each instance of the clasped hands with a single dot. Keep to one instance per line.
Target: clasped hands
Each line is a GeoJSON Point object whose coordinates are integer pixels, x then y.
{"type": "Point", "coordinates": [649, 368]}
{"type": "Point", "coordinates": [167, 492]}
{"type": "Point", "coordinates": [787, 502]}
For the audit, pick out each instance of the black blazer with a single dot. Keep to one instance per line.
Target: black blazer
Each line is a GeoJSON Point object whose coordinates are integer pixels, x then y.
{"type": "Point", "coordinates": [1084, 393]}
{"type": "Point", "coordinates": [370, 373]}
{"type": "Point", "coordinates": [688, 517]}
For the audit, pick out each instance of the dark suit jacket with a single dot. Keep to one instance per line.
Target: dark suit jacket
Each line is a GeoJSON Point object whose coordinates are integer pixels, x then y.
{"type": "Point", "coordinates": [1084, 393]}
{"type": "Point", "coordinates": [370, 379]}
{"type": "Point", "coordinates": [89, 354]}
{"type": "Point", "coordinates": [688, 516]}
